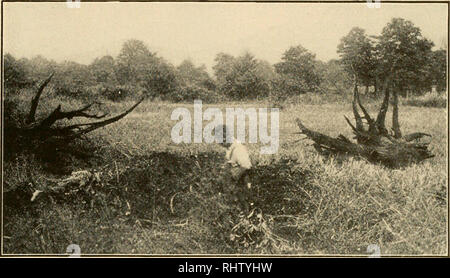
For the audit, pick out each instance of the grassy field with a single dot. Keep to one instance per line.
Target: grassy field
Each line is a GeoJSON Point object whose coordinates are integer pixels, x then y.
{"type": "Point", "coordinates": [156, 197]}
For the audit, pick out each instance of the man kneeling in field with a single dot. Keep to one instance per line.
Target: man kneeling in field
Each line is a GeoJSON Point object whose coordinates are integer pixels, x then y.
{"type": "Point", "coordinates": [238, 167]}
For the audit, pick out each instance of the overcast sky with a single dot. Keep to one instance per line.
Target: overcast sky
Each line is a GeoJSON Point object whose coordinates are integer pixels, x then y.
{"type": "Point", "coordinates": [198, 31]}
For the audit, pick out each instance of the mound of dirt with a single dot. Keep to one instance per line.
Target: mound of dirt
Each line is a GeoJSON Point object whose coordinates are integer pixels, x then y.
{"type": "Point", "coordinates": [282, 188]}
{"type": "Point", "coordinates": [171, 185]}
{"type": "Point", "coordinates": [164, 188]}
{"type": "Point", "coordinates": [165, 183]}
{"type": "Point", "coordinates": [168, 183]}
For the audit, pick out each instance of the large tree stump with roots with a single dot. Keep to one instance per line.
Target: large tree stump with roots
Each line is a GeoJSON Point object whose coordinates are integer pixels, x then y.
{"type": "Point", "coordinates": [53, 133]}
{"type": "Point", "coordinates": [374, 141]}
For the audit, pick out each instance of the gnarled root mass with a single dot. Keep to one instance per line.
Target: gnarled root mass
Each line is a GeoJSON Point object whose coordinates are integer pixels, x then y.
{"type": "Point", "coordinates": [373, 141]}
{"type": "Point", "coordinates": [47, 135]}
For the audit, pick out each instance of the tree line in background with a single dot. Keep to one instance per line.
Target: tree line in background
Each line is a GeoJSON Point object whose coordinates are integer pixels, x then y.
{"type": "Point", "coordinates": [400, 57]}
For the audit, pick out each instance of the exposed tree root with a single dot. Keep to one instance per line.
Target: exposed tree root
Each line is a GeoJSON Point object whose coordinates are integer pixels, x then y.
{"type": "Point", "coordinates": [47, 136]}
{"type": "Point", "coordinates": [373, 141]}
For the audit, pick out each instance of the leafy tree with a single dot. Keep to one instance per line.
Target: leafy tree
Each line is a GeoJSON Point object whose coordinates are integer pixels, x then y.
{"type": "Point", "coordinates": [26, 72]}
{"type": "Point", "coordinates": [438, 69]}
{"type": "Point", "coordinates": [103, 69]}
{"type": "Point", "coordinates": [14, 73]}
{"type": "Point", "coordinates": [357, 55]}
{"type": "Point", "coordinates": [189, 74]}
{"type": "Point", "coordinates": [223, 68]}
{"type": "Point", "coordinates": [39, 68]}
{"type": "Point", "coordinates": [242, 77]}
{"type": "Point", "coordinates": [193, 83]}
{"type": "Point", "coordinates": [133, 61]}
{"type": "Point", "coordinates": [334, 77]}
{"type": "Point", "coordinates": [160, 78]}
{"type": "Point", "coordinates": [404, 55]}
{"type": "Point", "coordinates": [206, 80]}
{"type": "Point", "coordinates": [72, 79]}
{"type": "Point", "coordinates": [266, 70]}
{"type": "Point", "coordinates": [297, 71]}
{"type": "Point", "coordinates": [248, 78]}
{"type": "Point", "coordinates": [138, 66]}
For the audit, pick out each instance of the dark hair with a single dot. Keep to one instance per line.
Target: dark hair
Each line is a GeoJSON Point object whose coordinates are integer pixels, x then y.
{"type": "Point", "coordinates": [223, 134]}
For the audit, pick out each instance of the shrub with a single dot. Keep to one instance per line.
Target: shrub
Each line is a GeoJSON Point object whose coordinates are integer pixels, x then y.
{"type": "Point", "coordinates": [111, 92]}
{"type": "Point", "coordinates": [428, 100]}
{"type": "Point", "coordinates": [189, 93]}
{"type": "Point", "coordinates": [117, 93]}
{"type": "Point", "coordinates": [14, 74]}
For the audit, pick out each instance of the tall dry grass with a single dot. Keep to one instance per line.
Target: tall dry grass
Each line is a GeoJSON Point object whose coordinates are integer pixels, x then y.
{"type": "Point", "coordinates": [156, 197]}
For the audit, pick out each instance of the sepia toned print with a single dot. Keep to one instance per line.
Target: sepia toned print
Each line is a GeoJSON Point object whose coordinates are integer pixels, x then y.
{"type": "Point", "coordinates": [280, 129]}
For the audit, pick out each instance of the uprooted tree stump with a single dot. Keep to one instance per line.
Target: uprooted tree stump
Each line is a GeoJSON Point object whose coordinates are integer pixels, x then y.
{"type": "Point", "coordinates": [373, 140]}
{"type": "Point", "coordinates": [53, 133]}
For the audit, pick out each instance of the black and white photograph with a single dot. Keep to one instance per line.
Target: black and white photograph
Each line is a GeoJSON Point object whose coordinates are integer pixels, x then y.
{"type": "Point", "coordinates": [245, 129]}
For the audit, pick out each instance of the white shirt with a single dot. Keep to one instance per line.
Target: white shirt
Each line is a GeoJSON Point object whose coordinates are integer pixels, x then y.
{"type": "Point", "coordinates": [237, 155]}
